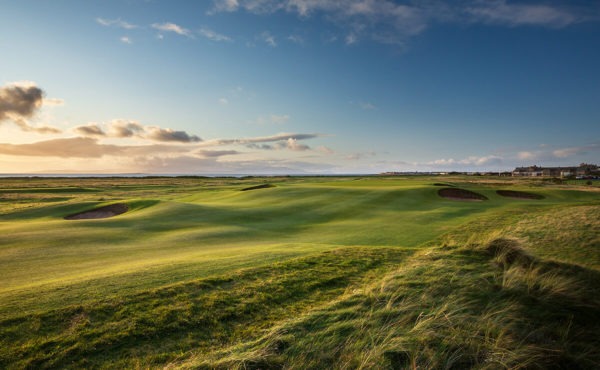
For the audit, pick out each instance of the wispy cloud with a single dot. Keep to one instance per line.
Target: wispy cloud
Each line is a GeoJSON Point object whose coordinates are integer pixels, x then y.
{"type": "Point", "coordinates": [367, 106]}
{"type": "Point", "coordinates": [279, 119]}
{"type": "Point", "coordinates": [273, 118]}
{"type": "Point", "coordinates": [360, 155]}
{"type": "Point", "coordinates": [116, 23]}
{"type": "Point", "coordinates": [216, 153]}
{"type": "Point", "coordinates": [223, 101]}
{"type": "Point", "coordinates": [500, 12]}
{"type": "Point", "coordinates": [268, 38]}
{"type": "Point", "coordinates": [126, 40]}
{"type": "Point", "coordinates": [388, 21]}
{"type": "Point", "coordinates": [350, 39]}
{"type": "Point", "coordinates": [296, 39]}
{"type": "Point", "coordinates": [470, 161]}
{"type": "Point", "coordinates": [281, 137]}
{"type": "Point", "coordinates": [214, 36]}
{"type": "Point", "coordinates": [172, 27]}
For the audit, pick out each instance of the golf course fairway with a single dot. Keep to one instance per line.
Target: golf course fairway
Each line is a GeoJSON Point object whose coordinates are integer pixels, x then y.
{"type": "Point", "coordinates": [299, 272]}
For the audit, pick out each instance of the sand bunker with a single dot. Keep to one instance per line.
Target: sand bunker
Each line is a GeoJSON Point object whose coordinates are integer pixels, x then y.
{"type": "Point", "coordinates": [102, 212]}
{"type": "Point", "coordinates": [518, 194]}
{"type": "Point", "coordinates": [461, 194]}
{"type": "Point", "coordinates": [263, 186]}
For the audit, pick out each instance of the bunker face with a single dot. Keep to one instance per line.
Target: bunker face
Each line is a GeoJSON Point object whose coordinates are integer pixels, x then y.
{"type": "Point", "coordinates": [461, 194]}
{"type": "Point", "coordinates": [102, 212]}
{"type": "Point", "coordinates": [263, 186]}
{"type": "Point", "coordinates": [518, 194]}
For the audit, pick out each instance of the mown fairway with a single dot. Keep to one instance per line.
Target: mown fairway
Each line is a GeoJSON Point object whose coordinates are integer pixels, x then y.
{"type": "Point", "coordinates": [313, 272]}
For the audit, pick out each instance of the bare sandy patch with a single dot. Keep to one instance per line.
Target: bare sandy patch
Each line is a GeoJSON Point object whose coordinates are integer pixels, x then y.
{"type": "Point", "coordinates": [101, 212]}
{"type": "Point", "coordinates": [263, 186]}
{"type": "Point", "coordinates": [461, 194]}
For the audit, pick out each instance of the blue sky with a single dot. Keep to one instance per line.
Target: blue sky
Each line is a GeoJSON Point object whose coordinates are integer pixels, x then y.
{"type": "Point", "coordinates": [298, 86]}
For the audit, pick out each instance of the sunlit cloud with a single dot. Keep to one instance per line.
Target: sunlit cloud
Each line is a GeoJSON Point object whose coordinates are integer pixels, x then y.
{"type": "Point", "coordinates": [20, 101]}
{"type": "Point", "coordinates": [121, 128]}
{"type": "Point", "coordinates": [216, 153]}
{"type": "Point", "coordinates": [83, 147]}
{"type": "Point", "coordinates": [126, 40]}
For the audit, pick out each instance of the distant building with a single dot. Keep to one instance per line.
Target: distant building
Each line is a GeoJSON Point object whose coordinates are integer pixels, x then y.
{"type": "Point", "coordinates": [583, 169]}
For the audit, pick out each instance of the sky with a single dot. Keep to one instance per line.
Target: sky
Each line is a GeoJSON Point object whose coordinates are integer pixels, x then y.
{"type": "Point", "coordinates": [297, 86]}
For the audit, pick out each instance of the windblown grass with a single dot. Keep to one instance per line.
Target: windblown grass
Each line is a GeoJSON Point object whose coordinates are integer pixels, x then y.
{"type": "Point", "coordinates": [482, 306]}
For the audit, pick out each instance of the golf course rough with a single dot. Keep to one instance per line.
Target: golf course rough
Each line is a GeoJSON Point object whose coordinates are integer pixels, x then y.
{"type": "Point", "coordinates": [320, 272]}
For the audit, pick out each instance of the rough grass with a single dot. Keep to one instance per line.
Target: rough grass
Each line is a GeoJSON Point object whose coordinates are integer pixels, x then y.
{"type": "Point", "coordinates": [566, 233]}
{"type": "Point", "coordinates": [481, 306]}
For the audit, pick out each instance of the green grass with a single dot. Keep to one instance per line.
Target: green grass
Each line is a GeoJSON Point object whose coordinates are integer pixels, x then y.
{"type": "Point", "coordinates": [313, 272]}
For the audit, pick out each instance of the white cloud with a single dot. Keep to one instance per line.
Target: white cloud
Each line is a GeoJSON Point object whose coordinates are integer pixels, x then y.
{"type": "Point", "coordinates": [223, 101]}
{"type": "Point", "coordinates": [171, 27]}
{"type": "Point", "coordinates": [292, 144]}
{"type": "Point", "coordinates": [214, 36]}
{"type": "Point", "coordinates": [116, 23]}
{"type": "Point", "coordinates": [224, 6]}
{"type": "Point", "coordinates": [126, 40]}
